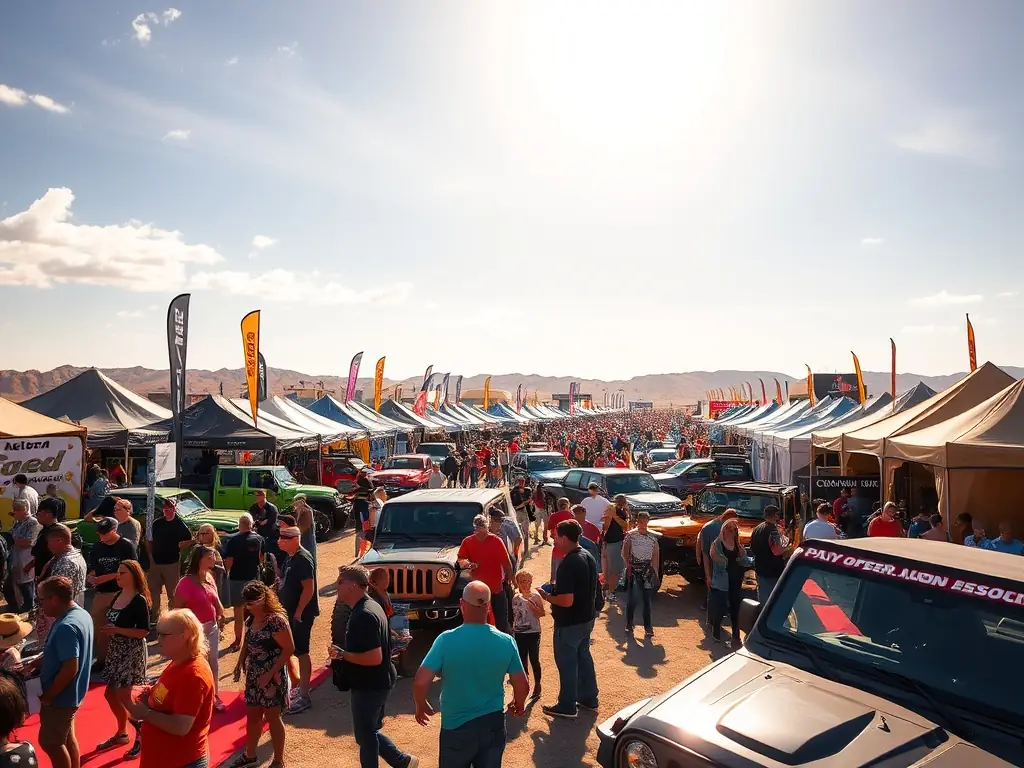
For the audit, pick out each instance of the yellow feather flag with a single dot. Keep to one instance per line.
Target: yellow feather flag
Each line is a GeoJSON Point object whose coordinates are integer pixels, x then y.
{"type": "Point", "coordinates": [810, 385]}
{"type": "Point", "coordinates": [378, 383]}
{"type": "Point", "coordinates": [251, 352]}
{"type": "Point", "coordinates": [487, 392]}
{"type": "Point", "coordinates": [860, 379]}
{"type": "Point", "coordinates": [778, 391]}
{"type": "Point", "coordinates": [972, 350]}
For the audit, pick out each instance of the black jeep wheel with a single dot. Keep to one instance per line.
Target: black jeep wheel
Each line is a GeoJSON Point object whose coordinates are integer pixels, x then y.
{"type": "Point", "coordinates": [322, 524]}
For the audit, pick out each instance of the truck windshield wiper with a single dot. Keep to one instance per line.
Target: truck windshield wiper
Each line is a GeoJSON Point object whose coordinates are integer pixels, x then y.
{"type": "Point", "coordinates": [953, 722]}
{"type": "Point", "coordinates": [811, 654]}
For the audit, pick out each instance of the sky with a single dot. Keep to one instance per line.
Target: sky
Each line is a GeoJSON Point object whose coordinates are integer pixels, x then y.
{"type": "Point", "coordinates": [591, 188]}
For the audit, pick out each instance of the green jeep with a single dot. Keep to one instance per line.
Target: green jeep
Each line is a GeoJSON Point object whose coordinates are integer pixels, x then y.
{"type": "Point", "coordinates": [234, 487]}
{"type": "Point", "coordinates": [192, 510]}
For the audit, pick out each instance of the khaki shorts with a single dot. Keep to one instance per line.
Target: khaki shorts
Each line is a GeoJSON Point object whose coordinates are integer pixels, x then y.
{"type": "Point", "coordinates": [55, 725]}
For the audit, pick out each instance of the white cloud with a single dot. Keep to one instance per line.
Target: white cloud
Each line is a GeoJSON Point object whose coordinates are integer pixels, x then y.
{"type": "Point", "coordinates": [1007, 294]}
{"type": "Point", "coordinates": [16, 97]}
{"type": "Point", "coordinates": [872, 241]}
{"type": "Point", "coordinates": [178, 134]}
{"type": "Point", "coordinates": [945, 299]}
{"type": "Point", "coordinates": [259, 242]}
{"type": "Point", "coordinates": [143, 23]}
{"type": "Point", "coordinates": [280, 286]}
{"type": "Point", "coordinates": [42, 247]}
{"type": "Point", "coordinates": [955, 134]}
{"type": "Point", "coordinates": [231, 62]}
{"type": "Point", "coordinates": [289, 51]}
{"type": "Point", "coordinates": [134, 313]}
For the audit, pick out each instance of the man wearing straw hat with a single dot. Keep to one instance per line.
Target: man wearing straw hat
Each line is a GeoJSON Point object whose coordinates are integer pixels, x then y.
{"type": "Point", "coordinates": [13, 632]}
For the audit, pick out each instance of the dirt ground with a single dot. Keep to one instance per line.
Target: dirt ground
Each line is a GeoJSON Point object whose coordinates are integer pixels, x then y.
{"type": "Point", "coordinates": [626, 672]}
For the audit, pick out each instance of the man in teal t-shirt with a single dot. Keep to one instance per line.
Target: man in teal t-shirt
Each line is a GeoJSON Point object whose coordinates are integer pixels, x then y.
{"type": "Point", "coordinates": [472, 661]}
{"type": "Point", "coordinates": [64, 674]}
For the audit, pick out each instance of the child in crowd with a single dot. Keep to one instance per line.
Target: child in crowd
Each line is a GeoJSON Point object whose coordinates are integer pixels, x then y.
{"type": "Point", "coordinates": [527, 609]}
{"type": "Point", "coordinates": [13, 711]}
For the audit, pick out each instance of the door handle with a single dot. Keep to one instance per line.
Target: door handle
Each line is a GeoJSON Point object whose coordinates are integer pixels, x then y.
{"type": "Point", "coordinates": [221, 493]}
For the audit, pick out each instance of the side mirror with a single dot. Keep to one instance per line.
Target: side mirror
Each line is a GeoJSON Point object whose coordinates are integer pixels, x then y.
{"type": "Point", "coordinates": [750, 611]}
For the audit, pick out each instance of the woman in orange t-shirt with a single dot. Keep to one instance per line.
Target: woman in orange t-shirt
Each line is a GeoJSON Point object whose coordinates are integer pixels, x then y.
{"type": "Point", "coordinates": [176, 712]}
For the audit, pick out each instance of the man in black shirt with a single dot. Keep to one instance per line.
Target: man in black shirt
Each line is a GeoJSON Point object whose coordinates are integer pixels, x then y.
{"type": "Point", "coordinates": [767, 547]}
{"type": "Point", "coordinates": [299, 599]}
{"type": "Point", "coordinates": [243, 554]}
{"type": "Point", "coordinates": [41, 554]}
{"type": "Point", "coordinates": [171, 536]}
{"type": "Point", "coordinates": [366, 660]}
{"type": "Point", "coordinates": [574, 608]}
{"type": "Point", "coordinates": [54, 503]}
{"type": "Point", "coordinates": [264, 515]}
{"type": "Point", "coordinates": [104, 559]}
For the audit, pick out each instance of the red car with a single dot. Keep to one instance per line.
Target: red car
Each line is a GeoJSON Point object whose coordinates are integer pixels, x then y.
{"type": "Point", "coordinates": [340, 472]}
{"type": "Point", "coordinates": [404, 473]}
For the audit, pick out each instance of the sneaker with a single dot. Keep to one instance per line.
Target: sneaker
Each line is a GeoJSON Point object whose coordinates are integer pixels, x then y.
{"type": "Point", "coordinates": [589, 707]}
{"type": "Point", "coordinates": [298, 704]}
{"type": "Point", "coordinates": [136, 749]}
{"type": "Point", "coordinates": [414, 762]}
{"type": "Point", "coordinates": [557, 711]}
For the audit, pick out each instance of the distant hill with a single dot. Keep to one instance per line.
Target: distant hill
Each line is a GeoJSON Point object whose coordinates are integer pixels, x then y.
{"type": "Point", "coordinates": [660, 388]}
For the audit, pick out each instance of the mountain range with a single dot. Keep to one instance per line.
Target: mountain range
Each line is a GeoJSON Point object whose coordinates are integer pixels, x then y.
{"type": "Point", "coordinates": [662, 389]}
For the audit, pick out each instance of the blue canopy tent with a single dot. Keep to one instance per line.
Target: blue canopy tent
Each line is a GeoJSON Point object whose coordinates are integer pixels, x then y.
{"type": "Point", "coordinates": [330, 408]}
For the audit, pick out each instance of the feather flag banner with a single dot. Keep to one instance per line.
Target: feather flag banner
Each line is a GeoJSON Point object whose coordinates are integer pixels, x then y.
{"type": "Point", "coordinates": [778, 392]}
{"type": "Point", "coordinates": [810, 386]}
{"type": "Point", "coordinates": [892, 385]}
{"type": "Point", "coordinates": [860, 380]}
{"type": "Point", "coordinates": [972, 349]}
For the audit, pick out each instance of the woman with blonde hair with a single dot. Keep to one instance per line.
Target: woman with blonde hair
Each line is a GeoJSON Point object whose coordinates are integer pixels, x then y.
{"type": "Point", "coordinates": [176, 712]}
{"type": "Point", "coordinates": [266, 649]}
{"type": "Point", "coordinates": [727, 572]}
{"type": "Point", "coordinates": [197, 591]}
{"type": "Point", "coordinates": [127, 627]}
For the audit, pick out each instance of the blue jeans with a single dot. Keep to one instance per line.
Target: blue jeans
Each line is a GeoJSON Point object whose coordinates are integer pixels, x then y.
{"type": "Point", "coordinates": [479, 743]}
{"type": "Point", "coordinates": [577, 680]}
{"type": "Point", "coordinates": [367, 720]}
{"type": "Point", "coordinates": [765, 586]}
{"type": "Point", "coordinates": [28, 596]}
{"type": "Point", "coordinates": [636, 588]}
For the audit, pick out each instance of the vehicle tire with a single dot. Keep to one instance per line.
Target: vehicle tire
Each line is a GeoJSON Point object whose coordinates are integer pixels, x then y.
{"type": "Point", "coordinates": [322, 524]}
{"type": "Point", "coordinates": [341, 516]}
{"type": "Point", "coordinates": [551, 505]}
{"type": "Point", "coordinates": [76, 540]}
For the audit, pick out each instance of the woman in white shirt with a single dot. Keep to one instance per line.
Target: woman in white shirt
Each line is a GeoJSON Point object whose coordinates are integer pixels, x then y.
{"type": "Point", "coordinates": [641, 554]}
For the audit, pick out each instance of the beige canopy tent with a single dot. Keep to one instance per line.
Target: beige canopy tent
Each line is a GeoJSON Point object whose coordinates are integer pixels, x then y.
{"type": "Point", "coordinates": [863, 449]}
{"type": "Point", "coordinates": [45, 450]}
{"type": "Point", "coordinates": [977, 457]}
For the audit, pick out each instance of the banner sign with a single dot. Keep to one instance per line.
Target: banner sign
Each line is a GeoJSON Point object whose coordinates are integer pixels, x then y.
{"type": "Point", "coordinates": [261, 379]}
{"type": "Point", "coordinates": [444, 388]}
{"type": "Point", "coordinates": [715, 407]}
{"type": "Point", "coordinates": [572, 398]}
{"type": "Point", "coordinates": [177, 349]}
{"type": "Point", "coordinates": [378, 384]}
{"type": "Point", "coordinates": [420, 406]}
{"type": "Point", "coordinates": [943, 581]}
{"type": "Point", "coordinates": [519, 399]}
{"type": "Point", "coordinates": [251, 352]}
{"type": "Point", "coordinates": [487, 392]}
{"type": "Point", "coordinates": [836, 385]}
{"type": "Point", "coordinates": [828, 487]}
{"type": "Point", "coordinates": [458, 390]}
{"type": "Point", "coordinates": [43, 460]}
{"type": "Point", "coordinates": [426, 378]}
{"type": "Point", "coordinates": [353, 375]}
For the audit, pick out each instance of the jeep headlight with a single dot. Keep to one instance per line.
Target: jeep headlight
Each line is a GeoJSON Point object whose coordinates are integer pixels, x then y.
{"type": "Point", "coordinates": [639, 755]}
{"type": "Point", "coordinates": [445, 575]}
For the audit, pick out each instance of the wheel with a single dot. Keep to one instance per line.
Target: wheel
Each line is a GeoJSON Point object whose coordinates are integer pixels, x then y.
{"type": "Point", "coordinates": [76, 540]}
{"type": "Point", "coordinates": [341, 516]}
{"type": "Point", "coordinates": [322, 524]}
{"type": "Point", "coordinates": [551, 505]}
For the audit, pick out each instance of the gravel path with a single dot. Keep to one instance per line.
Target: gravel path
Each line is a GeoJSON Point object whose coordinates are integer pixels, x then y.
{"type": "Point", "coordinates": [626, 672]}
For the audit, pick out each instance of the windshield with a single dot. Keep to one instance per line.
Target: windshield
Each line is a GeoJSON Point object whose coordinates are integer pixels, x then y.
{"type": "Point", "coordinates": [679, 467]}
{"type": "Point", "coordinates": [662, 455]}
{"type": "Point", "coordinates": [428, 519]}
{"type": "Point", "coordinates": [747, 505]}
{"type": "Point", "coordinates": [546, 463]}
{"type": "Point", "coordinates": [436, 450]}
{"type": "Point", "coordinates": [952, 642]}
{"type": "Point", "coordinates": [406, 462]}
{"type": "Point", "coordinates": [187, 504]}
{"type": "Point", "coordinates": [638, 483]}
{"type": "Point", "coordinates": [284, 477]}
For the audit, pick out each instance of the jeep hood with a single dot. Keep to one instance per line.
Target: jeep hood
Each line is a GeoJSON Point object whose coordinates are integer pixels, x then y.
{"type": "Point", "coordinates": [749, 711]}
{"type": "Point", "coordinates": [653, 497]}
{"type": "Point", "coordinates": [417, 553]}
{"type": "Point", "coordinates": [679, 525]}
{"type": "Point", "coordinates": [311, 490]}
{"type": "Point", "coordinates": [550, 475]}
{"type": "Point", "coordinates": [221, 519]}
{"type": "Point", "coordinates": [384, 474]}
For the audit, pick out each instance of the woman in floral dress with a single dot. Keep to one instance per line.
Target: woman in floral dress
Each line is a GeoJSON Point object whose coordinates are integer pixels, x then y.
{"type": "Point", "coordinates": [266, 648]}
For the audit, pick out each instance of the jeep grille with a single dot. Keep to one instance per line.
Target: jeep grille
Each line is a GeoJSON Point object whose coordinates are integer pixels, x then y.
{"type": "Point", "coordinates": [415, 582]}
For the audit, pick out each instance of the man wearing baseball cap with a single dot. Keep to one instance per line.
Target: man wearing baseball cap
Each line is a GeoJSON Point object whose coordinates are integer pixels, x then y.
{"type": "Point", "coordinates": [299, 600]}
{"type": "Point", "coordinates": [104, 558]}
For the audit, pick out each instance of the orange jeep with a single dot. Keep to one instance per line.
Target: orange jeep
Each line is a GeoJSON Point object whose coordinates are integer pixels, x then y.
{"type": "Point", "coordinates": [678, 533]}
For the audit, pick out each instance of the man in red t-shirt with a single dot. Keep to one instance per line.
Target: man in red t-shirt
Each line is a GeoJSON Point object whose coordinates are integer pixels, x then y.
{"type": "Point", "coordinates": [486, 557]}
{"type": "Point", "coordinates": [562, 513]}
{"type": "Point", "coordinates": [887, 523]}
{"type": "Point", "coordinates": [590, 531]}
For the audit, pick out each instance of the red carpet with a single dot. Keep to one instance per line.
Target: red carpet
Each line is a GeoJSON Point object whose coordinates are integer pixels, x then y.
{"type": "Point", "coordinates": [94, 724]}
